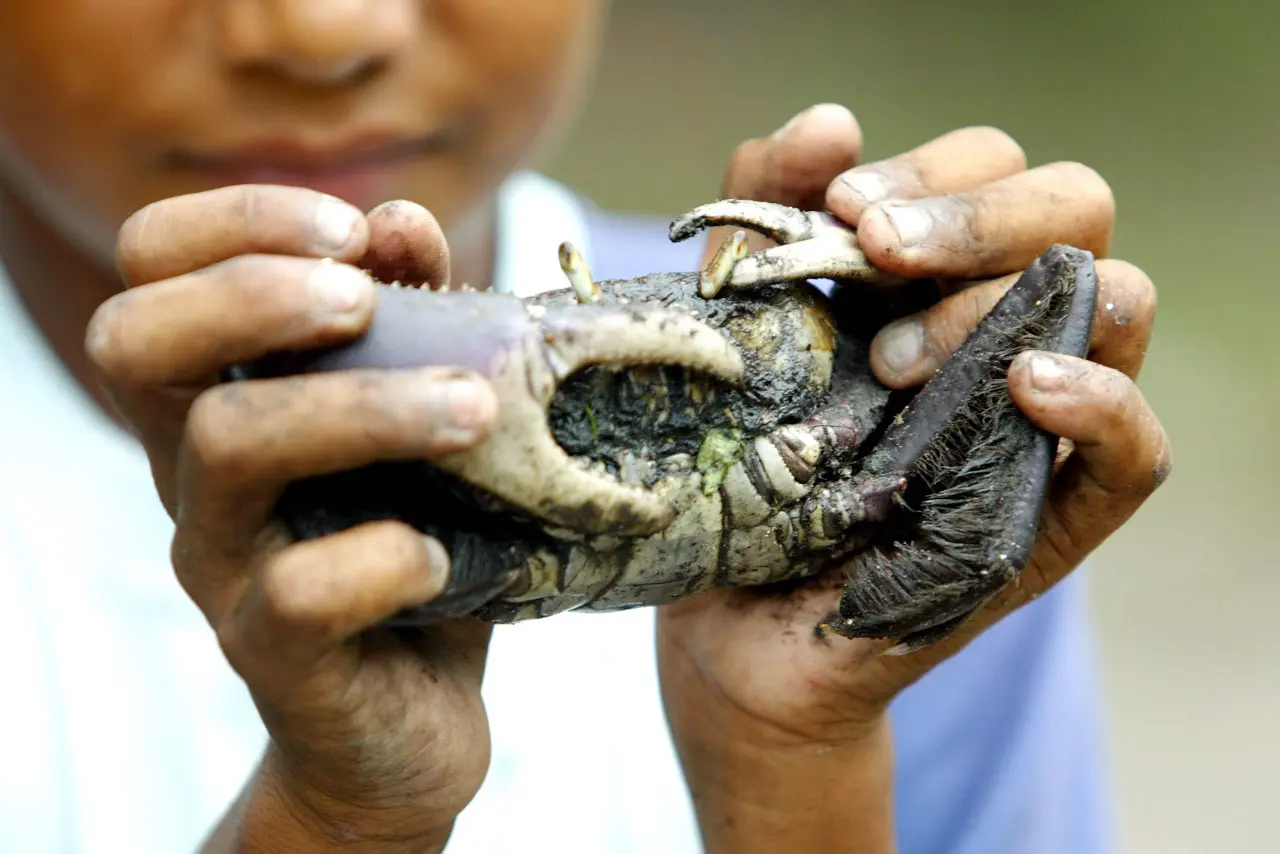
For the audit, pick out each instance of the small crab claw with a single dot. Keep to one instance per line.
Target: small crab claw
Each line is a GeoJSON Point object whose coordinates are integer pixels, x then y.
{"type": "Point", "coordinates": [814, 245]}
{"type": "Point", "coordinates": [526, 351]}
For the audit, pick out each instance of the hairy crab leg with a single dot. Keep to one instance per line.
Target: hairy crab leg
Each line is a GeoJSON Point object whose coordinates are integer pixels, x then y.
{"type": "Point", "coordinates": [814, 245]}
{"type": "Point", "coordinates": [977, 469]}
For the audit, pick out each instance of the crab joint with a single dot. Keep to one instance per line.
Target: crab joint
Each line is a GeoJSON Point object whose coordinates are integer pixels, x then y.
{"type": "Point", "coordinates": [575, 269]}
{"type": "Point", "coordinates": [717, 273]}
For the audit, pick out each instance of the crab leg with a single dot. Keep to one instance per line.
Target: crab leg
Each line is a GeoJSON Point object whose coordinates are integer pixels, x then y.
{"type": "Point", "coordinates": [814, 245]}
{"type": "Point", "coordinates": [779, 223]}
{"type": "Point", "coordinates": [977, 470]}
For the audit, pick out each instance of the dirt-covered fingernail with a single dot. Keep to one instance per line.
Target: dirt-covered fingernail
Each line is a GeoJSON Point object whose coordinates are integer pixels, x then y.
{"type": "Point", "coordinates": [438, 564]}
{"type": "Point", "coordinates": [336, 223]}
{"type": "Point", "coordinates": [864, 188]}
{"type": "Point", "coordinates": [901, 344]}
{"type": "Point", "coordinates": [912, 222]}
{"type": "Point", "coordinates": [1048, 375]}
{"type": "Point", "coordinates": [339, 288]}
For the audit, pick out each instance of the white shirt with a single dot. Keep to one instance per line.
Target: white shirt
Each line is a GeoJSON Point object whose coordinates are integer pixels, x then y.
{"type": "Point", "coordinates": [126, 730]}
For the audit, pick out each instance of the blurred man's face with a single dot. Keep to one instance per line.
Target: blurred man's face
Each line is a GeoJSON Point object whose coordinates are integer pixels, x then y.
{"type": "Point", "coordinates": [107, 105]}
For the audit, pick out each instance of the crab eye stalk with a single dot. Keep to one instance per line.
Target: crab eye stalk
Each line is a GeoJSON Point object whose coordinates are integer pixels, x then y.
{"type": "Point", "coordinates": [575, 269]}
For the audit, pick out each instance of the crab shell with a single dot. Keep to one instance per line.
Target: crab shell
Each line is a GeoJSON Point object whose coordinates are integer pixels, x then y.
{"type": "Point", "coordinates": [650, 444]}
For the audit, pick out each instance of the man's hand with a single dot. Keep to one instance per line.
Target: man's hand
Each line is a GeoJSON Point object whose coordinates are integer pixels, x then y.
{"type": "Point", "coordinates": [378, 738]}
{"type": "Point", "coordinates": [751, 695]}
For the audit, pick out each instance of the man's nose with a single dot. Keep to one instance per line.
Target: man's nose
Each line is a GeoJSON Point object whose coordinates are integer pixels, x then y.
{"type": "Point", "coordinates": [317, 42]}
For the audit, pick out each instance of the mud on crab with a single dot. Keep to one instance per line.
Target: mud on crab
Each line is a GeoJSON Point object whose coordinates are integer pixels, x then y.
{"type": "Point", "coordinates": [663, 436]}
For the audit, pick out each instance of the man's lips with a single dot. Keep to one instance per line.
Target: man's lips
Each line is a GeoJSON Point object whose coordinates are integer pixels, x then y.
{"type": "Point", "coordinates": [351, 167]}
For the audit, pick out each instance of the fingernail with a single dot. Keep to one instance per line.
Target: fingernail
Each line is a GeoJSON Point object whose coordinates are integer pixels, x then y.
{"type": "Point", "coordinates": [912, 222]}
{"type": "Point", "coordinates": [901, 344]}
{"type": "Point", "coordinates": [439, 562]}
{"type": "Point", "coordinates": [870, 187]}
{"type": "Point", "coordinates": [338, 288]}
{"type": "Point", "coordinates": [465, 406]}
{"type": "Point", "coordinates": [335, 224]}
{"type": "Point", "coordinates": [1048, 375]}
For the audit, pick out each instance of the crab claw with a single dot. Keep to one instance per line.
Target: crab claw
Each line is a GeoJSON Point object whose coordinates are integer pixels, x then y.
{"type": "Point", "coordinates": [814, 245]}
{"type": "Point", "coordinates": [526, 352]}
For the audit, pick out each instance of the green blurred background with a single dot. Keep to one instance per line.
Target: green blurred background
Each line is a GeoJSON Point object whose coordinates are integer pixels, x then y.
{"type": "Point", "coordinates": [1175, 104]}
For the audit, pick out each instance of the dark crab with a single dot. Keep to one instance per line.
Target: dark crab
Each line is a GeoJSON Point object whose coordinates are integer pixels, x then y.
{"type": "Point", "coordinates": [663, 436]}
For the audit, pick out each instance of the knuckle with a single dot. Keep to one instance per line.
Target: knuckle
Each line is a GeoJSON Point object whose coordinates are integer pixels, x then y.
{"type": "Point", "coordinates": [252, 205]}
{"type": "Point", "coordinates": [214, 437]}
{"type": "Point", "coordinates": [272, 289]}
{"type": "Point", "coordinates": [1119, 400]}
{"type": "Point", "coordinates": [1127, 416]}
{"type": "Point", "coordinates": [182, 556]}
{"type": "Point", "coordinates": [231, 642]}
{"type": "Point", "coordinates": [295, 597]}
{"type": "Point", "coordinates": [976, 303]}
{"type": "Point", "coordinates": [952, 321]}
{"type": "Point", "coordinates": [982, 218]}
{"type": "Point", "coordinates": [259, 283]}
{"type": "Point", "coordinates": [1063, 545]}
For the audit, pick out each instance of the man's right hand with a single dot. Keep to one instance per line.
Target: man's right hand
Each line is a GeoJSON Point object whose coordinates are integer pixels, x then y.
{"type": "Point", "coordinates": [378, 740]}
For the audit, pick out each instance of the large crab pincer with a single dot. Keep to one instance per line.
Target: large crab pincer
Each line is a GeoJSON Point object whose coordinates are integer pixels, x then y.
{"type": "Point", "coordinates": [667, 435]}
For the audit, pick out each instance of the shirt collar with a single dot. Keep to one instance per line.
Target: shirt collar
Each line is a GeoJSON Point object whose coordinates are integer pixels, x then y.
{"type": "Point", "coordinates": [536, 215]}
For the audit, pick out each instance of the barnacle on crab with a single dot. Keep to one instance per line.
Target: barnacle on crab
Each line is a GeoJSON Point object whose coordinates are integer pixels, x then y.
{"type": "Point", "coordinates": [662, 436]}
